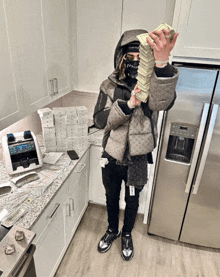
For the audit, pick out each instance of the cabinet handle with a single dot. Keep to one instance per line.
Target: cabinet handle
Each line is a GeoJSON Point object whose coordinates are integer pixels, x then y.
{"type": "Point", "coordinates": [197, 147]}
{"type": "Point", "coordinates": [72, 204]}
{"type": "Point", "coordinates": [68, 210]}
{"type": "Point", "coordinates": [54, 210]}
{"type": "Point", "coordinates": [80, 167]}
{"type": "Point", "coordinates": [55, 83]}
{"type": "Point", "coordinates": [51, 87]}
{"type": "Point", "coordinates": [206, 148]}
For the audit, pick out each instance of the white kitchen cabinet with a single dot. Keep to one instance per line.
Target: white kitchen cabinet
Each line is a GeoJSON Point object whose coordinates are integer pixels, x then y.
{"type": "Point", "coordinates": [37, 42]}
{"type": "Point", "coordinates": [11, 89]}
{"type": "Point", "coordinates": [76, 200]}
{"type": "Point", "coordinates": [57, 224]}
{"type": "Point", "coordinates": [197, 23]}
{"type": "Point", "coordinates": [11, 95]}
{"type": "Point", "coordinates": [55, 33]}
{"type": "Point", "coordinates": [25, 30]}
{"type": "Point", "coordinates": [50, 237]}
{"type": "Point", "coordinates": [96, 188]}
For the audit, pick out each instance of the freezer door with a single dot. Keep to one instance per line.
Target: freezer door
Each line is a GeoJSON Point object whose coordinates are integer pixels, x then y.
{"type": "Point", "coordinates": [202, 221]}
{"type": "Point", "coordinates": [175, 170]}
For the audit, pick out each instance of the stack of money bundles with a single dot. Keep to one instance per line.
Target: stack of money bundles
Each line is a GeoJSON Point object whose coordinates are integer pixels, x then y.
{"type": "Point", "coordinates": [147, 62]}
{"type": "Point", "coordinates": [60, 128]}
{"type": "Point", "coordinates": [69, 130]}
{"type": "Point", "coordinates": [48, 128]}
{"type": "Point", "coordinates": [77, 128]}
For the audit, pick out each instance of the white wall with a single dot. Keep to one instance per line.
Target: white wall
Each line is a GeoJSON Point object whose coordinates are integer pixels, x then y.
{"type": "Point", "coordinates": [73, 43]}
{"type": "Point", "coordinates": [100, 24]}
{"type": "Point", "coordinates": [98, 30]}
{"type": "Point", "coordinates": [146, 15]}
{"type": "Point", "coordinates": [81, 98]}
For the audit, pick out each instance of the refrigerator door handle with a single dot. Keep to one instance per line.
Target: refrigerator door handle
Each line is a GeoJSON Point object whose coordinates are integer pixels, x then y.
{"type": "Point", "coordinates": [206, 148]}
{"type": "Point", "coordinates": [197, 147]}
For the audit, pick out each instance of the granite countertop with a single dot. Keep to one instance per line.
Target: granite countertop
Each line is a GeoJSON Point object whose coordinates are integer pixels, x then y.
{"type": "Point", "coordinates": [59, 172]}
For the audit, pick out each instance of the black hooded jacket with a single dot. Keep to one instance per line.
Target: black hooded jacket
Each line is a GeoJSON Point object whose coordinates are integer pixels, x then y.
{"type": "Point", "coordinates": [121, 89]}
{"type": "Point", "coordinates": [111, 106]}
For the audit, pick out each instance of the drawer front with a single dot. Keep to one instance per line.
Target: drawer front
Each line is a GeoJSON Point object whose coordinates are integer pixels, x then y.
{"type": "Point", "coordinates": [61, 195]}
{"type": "Point", "coordinates": [48, 213]}
{"type": "Point", "coordinates": [50, 246]}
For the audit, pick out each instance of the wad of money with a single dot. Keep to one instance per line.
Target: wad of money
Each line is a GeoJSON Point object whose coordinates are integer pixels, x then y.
{"type": "Point", "coordinates": [147, 62]}
{"type": "Point", "coordinates": [142, 37]}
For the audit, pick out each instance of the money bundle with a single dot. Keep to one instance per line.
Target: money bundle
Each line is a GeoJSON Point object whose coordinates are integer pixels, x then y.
{"type": "Point", "coordinates": [147, 62]}
{"type": "Point", "coordinates": [69, 130]}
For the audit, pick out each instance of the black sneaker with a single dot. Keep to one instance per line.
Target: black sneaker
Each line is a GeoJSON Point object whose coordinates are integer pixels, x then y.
{"type": "Point", "coordinates": [127, 250]}
{"type": "Point", "coordinates": [107, 240]}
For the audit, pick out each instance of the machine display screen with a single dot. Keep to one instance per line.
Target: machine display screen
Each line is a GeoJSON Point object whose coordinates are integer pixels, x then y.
{"type": "Point", "coordinates": [22, 147]}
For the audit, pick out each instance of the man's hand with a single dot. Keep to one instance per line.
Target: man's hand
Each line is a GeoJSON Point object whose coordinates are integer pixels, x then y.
{"type": "Point", "coordinates": [133, 100]}
{"type": "Point", "coordinates": [162, 45]}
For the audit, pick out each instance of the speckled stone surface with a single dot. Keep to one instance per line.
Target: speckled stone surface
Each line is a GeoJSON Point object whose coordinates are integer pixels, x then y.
{"type": "Point", "coordinates": [60, 171]}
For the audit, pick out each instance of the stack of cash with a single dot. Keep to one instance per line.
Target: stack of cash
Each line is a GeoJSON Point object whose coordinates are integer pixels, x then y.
{"type": "Point", "coordinates": [48, 128]}
{"type": "Point", "coordinates": [77, 128]}
{"type": "Point", "coordinates": [147, 62]}
{"type": "Point", "coordinates": [46, 117]}
{"type": "Point", "coordinates": [60, 127]}
{"type": "Point", "coordinates": [69, 130]}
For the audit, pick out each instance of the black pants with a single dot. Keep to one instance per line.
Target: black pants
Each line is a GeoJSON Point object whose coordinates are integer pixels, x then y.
{"type": "Point", "coordinates": [112, 176]}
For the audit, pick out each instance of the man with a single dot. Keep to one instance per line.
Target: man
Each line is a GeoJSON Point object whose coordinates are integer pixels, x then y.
{"type": "Point", "coordinates": [130, 130]}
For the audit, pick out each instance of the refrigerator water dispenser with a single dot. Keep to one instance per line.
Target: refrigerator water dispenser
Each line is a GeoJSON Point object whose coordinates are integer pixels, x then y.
{"type": "Point", "coordinates": [181, 140]}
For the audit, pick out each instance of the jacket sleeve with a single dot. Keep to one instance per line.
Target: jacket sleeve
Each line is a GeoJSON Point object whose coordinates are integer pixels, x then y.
{"type": "Point", "coordinates": [105, 102]}
{"type": "Point", "coordinates": [101, 111]}
{"type": "Point", "coordinates": [162, 93]}
{"type": "Point", "coordinates": [116, 116]}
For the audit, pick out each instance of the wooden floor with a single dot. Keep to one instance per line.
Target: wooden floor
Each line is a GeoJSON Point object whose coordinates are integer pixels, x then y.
{"type": "Point", "coordinates": [153, 256]}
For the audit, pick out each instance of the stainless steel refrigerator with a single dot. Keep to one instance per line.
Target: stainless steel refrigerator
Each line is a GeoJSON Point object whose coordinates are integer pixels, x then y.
{"type": "Point", "coordinates": [186, 198]}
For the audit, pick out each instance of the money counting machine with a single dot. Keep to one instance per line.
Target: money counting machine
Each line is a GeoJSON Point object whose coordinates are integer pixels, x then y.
{"type": "Point", "coordinates": [21, 152]}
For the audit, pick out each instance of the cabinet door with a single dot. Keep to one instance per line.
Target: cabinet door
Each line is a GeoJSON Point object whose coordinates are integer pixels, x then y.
{"type": "Point", "coordinates": [51, 244]}
{"type": "Point", "coordinates": [27, 50]}
{"type": "Point", "coordinates": [10, 91]}
{"type": "Point", "coordinates": [76, 196]}
{"type": "Point", "coordinates": [96, 188]}
{"type": "Point", "coordinates": [197, 22]}
{"type": "Point", "coordinates": [57, 46]}
{"type": "Point", "coordinates": [38, 39]}
{"type": "Point", "coordinates": [50, 236]}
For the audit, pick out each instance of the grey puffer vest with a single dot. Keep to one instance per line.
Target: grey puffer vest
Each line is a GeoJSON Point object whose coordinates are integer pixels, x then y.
{"type": "Point", "coordinates": [136, 129]}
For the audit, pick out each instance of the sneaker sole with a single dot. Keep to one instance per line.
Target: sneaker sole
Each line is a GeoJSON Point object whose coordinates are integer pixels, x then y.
{"type": "Point", "coordinates": [103, 251]}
